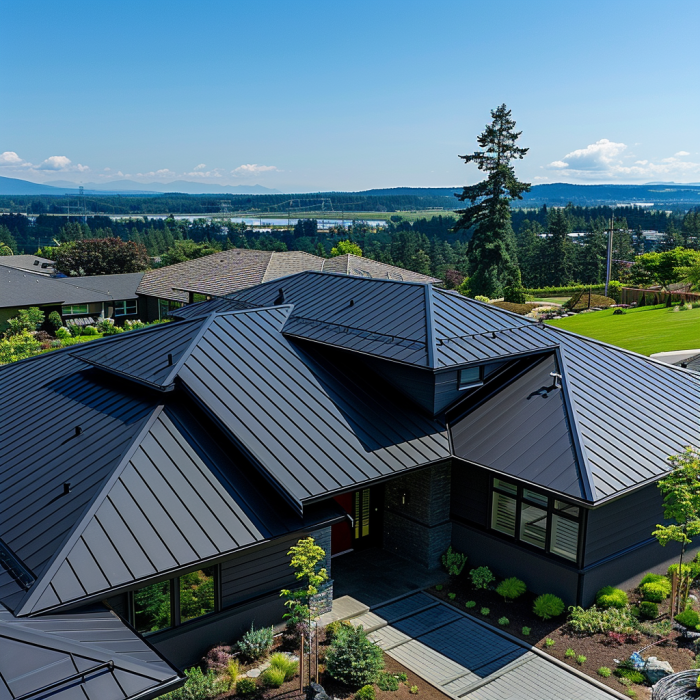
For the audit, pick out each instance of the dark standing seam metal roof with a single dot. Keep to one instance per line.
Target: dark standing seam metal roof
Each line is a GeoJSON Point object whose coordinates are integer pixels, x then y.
{"type": "Point", "coordinates": [40, 651]}
{"type": "Point", "coordinates": [310, 431]}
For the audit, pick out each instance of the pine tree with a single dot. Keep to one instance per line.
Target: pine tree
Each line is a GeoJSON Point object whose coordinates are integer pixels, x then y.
{"type": "Point", "coordinates": [492, 255]}
{"type": "Point", "coordinates": [559, 248]}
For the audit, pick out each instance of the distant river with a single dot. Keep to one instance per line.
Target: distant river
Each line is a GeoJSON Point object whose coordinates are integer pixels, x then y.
{"type": "Point", "coordinates": [261, 222]}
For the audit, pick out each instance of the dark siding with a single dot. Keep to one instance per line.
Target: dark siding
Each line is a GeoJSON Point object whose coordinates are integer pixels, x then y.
{"type": "Point", "coordinates": [622, 523]}
{"type": "Point", "coordinates": [415, 383]}
{"type": "Point", "coordinates": [470, 493]}
{"type": "Point", "coordinates": [262, 570]}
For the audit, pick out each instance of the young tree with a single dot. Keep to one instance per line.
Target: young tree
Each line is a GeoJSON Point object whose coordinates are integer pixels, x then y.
{"type": "Point", "coordinates": [664, 268]}
{"type": "Point", "coordinates": [492, 255]}
{"type": "Point", "coordinates": [100, 256]}
{"type": "Point", "coordinates": [345, 247]}
{"type": "Point", "coordinates": [681, 491]}
{"type": "Point", "coordinates": [187, 250]}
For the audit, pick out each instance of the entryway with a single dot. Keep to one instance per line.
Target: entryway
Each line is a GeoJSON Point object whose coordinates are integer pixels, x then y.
{"type": "Point", "coordinates": [363, 529]}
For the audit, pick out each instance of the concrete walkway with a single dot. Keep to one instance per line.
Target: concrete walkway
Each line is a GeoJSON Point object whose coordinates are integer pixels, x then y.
{"type": "Point", "coordinates": [463, 658]}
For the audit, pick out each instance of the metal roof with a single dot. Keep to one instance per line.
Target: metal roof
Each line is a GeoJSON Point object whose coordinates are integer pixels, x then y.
{"type": "Point", "coordinates": [89, 653]}
{"type": "Point", "coordinates": [32, 263]}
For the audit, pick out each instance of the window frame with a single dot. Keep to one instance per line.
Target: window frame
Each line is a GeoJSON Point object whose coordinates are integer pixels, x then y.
{"type": "Point", "coordinates": [174, 584]}
{"type": "Point", "coordinates": [551, 509]}
{"type": "Point", "coordinates": [471, 385]}
{"type": "Point", "coordinates": [125, 303]}
{"type": "Point", "coordinates": [66, 312]}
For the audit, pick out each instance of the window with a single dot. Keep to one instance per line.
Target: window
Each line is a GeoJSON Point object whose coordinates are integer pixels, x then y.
{"type": "Point", "coordinates": [174, 602]}
{"type": "Point", "coordinates": [536, 519]}
{"type": "Point", "coordinates": [126, 307]}
{"type": "Point", "coordinates": [471, 377]}
{"type": "Point", "coordinates": [74, 309]}
{"type": "Point", "coordinates": [196, 296]}
{"type": "Point", "coordinates": [165, 306]}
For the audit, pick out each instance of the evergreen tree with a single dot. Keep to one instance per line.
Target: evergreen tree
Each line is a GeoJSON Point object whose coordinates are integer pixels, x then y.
{"type": "Point", "coordinates": [8, 244]}
{"type": "Point", "coordinates": [492, 254]}
{"type": "Point", "coordinates": [559, 248]}
{"type": "Point", "coordinates": [672, 238]}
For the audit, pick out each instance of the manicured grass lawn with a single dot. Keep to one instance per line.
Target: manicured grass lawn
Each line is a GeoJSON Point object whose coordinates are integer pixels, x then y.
{"type": "Point", "coordinates": [647, 330]}
{"type": "Point", "coordinates": [553, 300]}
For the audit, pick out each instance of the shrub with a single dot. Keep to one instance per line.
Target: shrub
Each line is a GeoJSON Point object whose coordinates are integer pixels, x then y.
{"type": "Point", "coordinates": [272, 677]}
{"type": "Point", "coordinates": [570, 654]}
{"type": "Point", "coordinates": [90, 330]}
{"type": "Point", "coordinates": [413, 690]}
{"type": "Point", "coordinates": [232, 671]}
{"type": "Point", "coordinates": [521, 309]}
{"type": "Point", "coordinates": [55, 320]}
{"type": "Point", "coordinates": [653, 592]}
{"type": "Point", "coordinates": [198, 686]}
{"type": "Point", "coordinates": [256, 643]}
{"type": "Point", "coordinates": [438, 586]}
{"type": "Point", "coordinates": [659, 629]}
{"type": "Point", "coordinates": [503, 621]}
{"type": "Point", "coordinates": [688, 618]}
{"type": "Point", "coordinates": [353, 658]}
{"type": "Point", "coordinates": [632, 674]}
{"type": "Point", "coordinates": [388, 682]}
{"type": "Point", "coordinates": [470, 604]}
{"type": "Point", "coordinates": [657, 578]}
{"type": "Point", "coordinates": [549, 642]}
{"type": "Point", "coordinates": [514, 293]}
{"type": "Point", "coordinates": [604, 672]}
{"type": "Point", "coordinates": [648, 610]}
{"type": "Point", "coordinates": [594, 620]}
{"type": "Point", "coordinates": [481, 297]}
{"type": "Point", "coordinates": [485, 612]}
{"type": "Point", "coordinates": [481, 577]}
{"type": "Point", "coordinates": [547, 606]}
{"type": "Point", "coordinates": [610, 597]}
{"type": "Point", "coordinates": [26, 320]}
{"type": "Point", "coordinates": [511, 588]}
{"type": "Point", "coordinates": [366, 692]}
{"type": "Point", "coordinates": [583, 300]}
{"type": "Point", "coordinates": [293, 631]}
{"type": "Point", "coordinates": [218, 658]}
{"type": "Point", "coordinates": [451, 596]}
{"type": "Point", "coordinates": [526, 631]}
{"type": "Point", "coordinates": [581, 659]}
{"type": "Point", "coordinates": [453, 561]}
{"type": "Point", "coordinates": [246, 687]}
{"type": "Point", "coordinates": [332, 628]}
{"type": "Point", "coordinates": [18, 347]}
{"type": "Point", "coordinates": [285, 664]}
{"type": "Point", "coordinates": [62, 333]}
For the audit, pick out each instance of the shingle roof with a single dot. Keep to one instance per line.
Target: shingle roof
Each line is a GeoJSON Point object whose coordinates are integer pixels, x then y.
{"type": "Point", "coordinates": [232, 270]}
{"type": "Point", "coordinates": [117, 663]}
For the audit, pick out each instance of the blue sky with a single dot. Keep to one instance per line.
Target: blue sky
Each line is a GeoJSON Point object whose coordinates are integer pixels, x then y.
{"type": "Point", "coordinates": [305, 95]}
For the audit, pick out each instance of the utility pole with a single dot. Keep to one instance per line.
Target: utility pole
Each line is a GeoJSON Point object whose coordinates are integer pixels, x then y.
{"type": "Point", "coordinates": [610, 245]}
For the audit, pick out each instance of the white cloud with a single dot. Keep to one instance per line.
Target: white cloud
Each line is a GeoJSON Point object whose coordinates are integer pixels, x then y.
{"type": "Point", "coordinates": [10, 158]}
{"type": "Point", "coordinates": [607, 160]}
{"type": "Point", "coordinates": [62, 163]}
{"type": "Point", "coordinates": [201, 166]}
{"type": "Point", "coordinates": [254, 169]}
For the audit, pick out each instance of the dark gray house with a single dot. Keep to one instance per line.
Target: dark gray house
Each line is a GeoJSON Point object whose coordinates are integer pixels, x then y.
{"type": "Point", "coordinates": [158, 478]}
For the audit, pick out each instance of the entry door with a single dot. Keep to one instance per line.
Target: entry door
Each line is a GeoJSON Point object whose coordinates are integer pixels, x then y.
{"type": "Point", "coordinates": [366, 512]}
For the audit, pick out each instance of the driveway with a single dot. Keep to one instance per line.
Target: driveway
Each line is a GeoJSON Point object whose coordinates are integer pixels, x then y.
{"type": "Point", "coordinates": [466, 659]}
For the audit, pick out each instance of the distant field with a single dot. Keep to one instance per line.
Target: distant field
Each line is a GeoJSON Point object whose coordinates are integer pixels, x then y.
{"type": "Point", "coordinates": [647, 330]}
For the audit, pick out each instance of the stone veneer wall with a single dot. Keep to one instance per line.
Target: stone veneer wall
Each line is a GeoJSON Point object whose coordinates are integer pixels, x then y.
{"type": "Point", "coordinates": [322, 602]}
{"type": "Point", "coordinates": [417, 515]}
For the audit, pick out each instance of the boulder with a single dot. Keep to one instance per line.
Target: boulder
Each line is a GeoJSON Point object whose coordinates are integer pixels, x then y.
{"type": "Point", "coordinates": [655, 670]}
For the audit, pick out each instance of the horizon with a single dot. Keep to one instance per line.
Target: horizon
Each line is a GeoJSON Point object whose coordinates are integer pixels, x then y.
{"type": "Point", "coordinates": [328, 98]}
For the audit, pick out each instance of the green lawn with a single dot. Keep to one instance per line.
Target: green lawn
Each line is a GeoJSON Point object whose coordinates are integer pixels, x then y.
{"type": "Point", "coordinates": [647, 330]}
{"type": "Point", "coordinates": [553, 300]}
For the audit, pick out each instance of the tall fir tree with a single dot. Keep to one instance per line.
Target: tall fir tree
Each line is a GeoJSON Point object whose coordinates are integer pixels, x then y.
{"type": "Point", "coordinates": [559, 248]}
{"type": "Point", "coordinates": [493, 261]}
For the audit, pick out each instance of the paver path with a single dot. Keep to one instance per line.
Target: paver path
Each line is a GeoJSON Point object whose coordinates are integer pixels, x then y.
{"type": "Point", "coordinates": [465, 659]}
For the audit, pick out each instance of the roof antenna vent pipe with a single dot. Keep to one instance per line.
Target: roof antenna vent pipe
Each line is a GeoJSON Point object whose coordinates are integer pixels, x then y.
{"type": "Point", "coordinates": [78, 430]}
{"type": "Point", "coordinates": [493, 335]}
{"type": "Point", "coordinates": [352, 302]}
{"type": "Point", "coordinates": [170, 359]}
{"type": "Point", "coordinates": [66, 488]}
{"type": "Point", "coordinates": [557, 379]}
{"type": "Point", "coordinates": [280, 298]}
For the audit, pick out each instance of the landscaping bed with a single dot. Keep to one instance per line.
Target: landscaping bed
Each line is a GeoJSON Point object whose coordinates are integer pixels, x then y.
{"type": "Point", "coordinates": [599, 650]}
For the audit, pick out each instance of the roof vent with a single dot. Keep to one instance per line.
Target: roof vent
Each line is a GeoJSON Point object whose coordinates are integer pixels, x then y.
{"type": "Point", "coordinates": [684, 365]}
{"type": "Point", "coordinates": [280, 298]}
{"type": "Point", "coordinates": [66, 488]}
{"type": "Point", "coordinates": [78, 430]}
{"type": "Point", "coordinates": [493, 335]}
{"type": "Point", "coordinates": [170, 359]}
{"type": "Point", "coordinates": [352, 302]}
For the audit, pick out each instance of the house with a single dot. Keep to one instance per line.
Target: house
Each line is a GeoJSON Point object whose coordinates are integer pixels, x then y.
{"type": "Point", "coordinates": [29, 263]}
{"type": "Point", "coordinates": [79, 300]}
{"type": "Point", "coordinates": [181, 461]}
{"type": "Point", "coordinates": [167, 288]}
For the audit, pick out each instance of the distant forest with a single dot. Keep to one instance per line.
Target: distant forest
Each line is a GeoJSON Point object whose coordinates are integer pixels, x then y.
{"type": "Point", "coordinates": [547, 255]}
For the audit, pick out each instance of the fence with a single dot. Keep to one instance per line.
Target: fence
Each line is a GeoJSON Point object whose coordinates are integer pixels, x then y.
{"type": "Point", "coordinates": [632, 295]}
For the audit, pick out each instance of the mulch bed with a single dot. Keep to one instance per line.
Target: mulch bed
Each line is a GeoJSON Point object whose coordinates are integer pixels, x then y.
{"type": "Point", "coordinates": [679, 652]}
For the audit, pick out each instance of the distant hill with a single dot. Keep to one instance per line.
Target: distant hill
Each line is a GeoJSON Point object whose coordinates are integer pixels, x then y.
{"type": "Point", "coordinates": [10, 185]}
{"type": "Point", "coordinates": [182, 186]}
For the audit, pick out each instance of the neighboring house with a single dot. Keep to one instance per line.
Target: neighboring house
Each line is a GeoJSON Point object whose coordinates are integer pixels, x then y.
{"type": "Point", "coordinates": [185, 459]}
{"type": "Point", "coordinates": [29, 263]}
{"type": "Point", "coordinates": [79, 300]}
{"type": "Point", "coordinates": [168, 288]}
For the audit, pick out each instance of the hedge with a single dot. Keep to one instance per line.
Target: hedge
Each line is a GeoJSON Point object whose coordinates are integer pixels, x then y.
{"type": "Point", "coordinates": [561, 291]}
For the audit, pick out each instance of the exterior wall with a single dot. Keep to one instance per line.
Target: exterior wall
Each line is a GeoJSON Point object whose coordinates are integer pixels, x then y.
{"type": "Point", "coordinates": [417, 515]}
{"type": "Point", "coordinates": [148, 308]}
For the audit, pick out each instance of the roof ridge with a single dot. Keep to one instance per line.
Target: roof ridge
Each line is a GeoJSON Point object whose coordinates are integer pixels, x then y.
{"type": "Point", "coordinates": [32, 596]}
{"type": "Point", "coordinates": [430, 336]}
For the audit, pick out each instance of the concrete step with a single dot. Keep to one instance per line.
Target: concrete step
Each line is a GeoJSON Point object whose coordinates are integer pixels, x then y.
{"type": "Point", "coordinates": [344, 608]}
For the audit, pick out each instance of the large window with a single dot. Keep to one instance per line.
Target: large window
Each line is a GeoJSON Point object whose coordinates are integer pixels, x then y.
{"type": "Point", "coordinates": [74, 309]}
{"type": "Point", "coordinates": [171, 603]}
{"type": "Point", "coordinates": [536, 519]}
{"type": "Point", "coordinates": [165, 306]}
{"type": "Point", "coordinates": [125, 307]}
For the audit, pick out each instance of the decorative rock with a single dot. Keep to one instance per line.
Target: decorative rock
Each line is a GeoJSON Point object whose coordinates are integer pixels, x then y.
{"type": "Point", "coordinates": [253, 673]}
{"type": "Point", "coordinates": [656, 670]}
{"type": "Point", "coordinates": [265, 666]}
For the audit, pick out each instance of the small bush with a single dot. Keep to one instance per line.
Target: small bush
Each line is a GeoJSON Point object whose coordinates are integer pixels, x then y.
{"type": "Point", "coordinates": [438, 587]}
{"type": "Point", "coordinates": [453, 561]}
{"type": "Point", "coordinates": [218, 658]}
{"type": "Point", "coordinates": [648, 610]}
{"type": "Point", "coordinates": [366, 692]}
{"type": "Point", "coordinates": [272, 677]}
{"type": "Point", "coordinates": [593, 620]}
{"type": "Point", "coordinates": [388, 682]}
{"type": "Point", "coordinates": [353, 658]}
{"type": "Point", "coordinates": [549, 642]}
{"type": "Point", "coordinates": [570, 654]}
{"type": "Point", "coordinates": [232, 671]}
{"type": "Point", "coordinates": [246, 687]}
{"type": "Point", "coordinates": [688, 618]}
{"type": "Point", "coordinates": [657, 578]}
{"type": "Point", "coordinates": [470, 604]}
{"type": "Point", "coordinates": [451, 596]}
{"type": "Point", "coordinates": [604, 672]}
{"type": "Point", "coordinates": [503, 621]}
{"type": "Point", "coordinates": [632, 674]}
{"type": "Point", "coordinates": [548, 606]}
{"type": "Point", "coordinates": [285, 664]}
{"type": "Point", "coordinates": [511, 588]}
{"type": "Point", "coordinates": [256, 643]}
{"type": "Point", "coordinates": [653, 592]}
{"type": "Point", "coordinates": [90, 330]}
{"type": "Point", "coordinates": [521, 309]}
{"type": "Point", "coordinates": [62, 333]}
{"type": "Point", "coordinates": [198, 686]}
{"type": "Point", "coordinates": [659, 629]}
{"type": "Point", "coordinates": [610, 597]}
{"type": "Point", "coordinates": [631, 693]}
{"type": "Point", "coordinates": [413, 690]}
{"type": "Point", "coordinates": [402, 677]}
{"type": "Point", "coordinates": [481, 577]}
{"type": "Point", "coordinates": [485, 612]}
{"type": "Point", "coordinates": [55, 320]}
{"type": "Point", "coordinates": [481, 297]}
{"type": "Point", "coordinates": [526, 631]}
{"type": "Point", "coordinates": [332, 628]}
{"type": "Point", "coordinates": [581, 659]}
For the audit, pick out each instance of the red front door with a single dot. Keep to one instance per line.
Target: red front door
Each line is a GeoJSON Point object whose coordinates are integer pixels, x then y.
{"type": "Point", "coordinates": [341, 533]}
